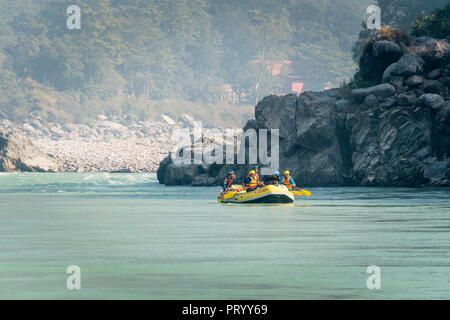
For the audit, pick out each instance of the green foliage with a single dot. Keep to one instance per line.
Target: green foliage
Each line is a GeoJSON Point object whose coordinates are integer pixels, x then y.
{"type": "Point", "coordinates": [436, 25]}
{"type": "Point", "coordinates": [400, 17]}
{"type": "Point", "coordinates": [402, 13]}
{"type": "Point", "coordinates": [134, 56]}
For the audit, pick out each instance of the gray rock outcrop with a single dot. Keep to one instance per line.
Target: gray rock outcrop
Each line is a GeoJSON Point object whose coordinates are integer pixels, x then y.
{"type": "Point", "coordinates": [395, 133]}
{"type": "Point", "coordinates": [17, 153]}
{"type": "Point", "coordinates": [381, 91]}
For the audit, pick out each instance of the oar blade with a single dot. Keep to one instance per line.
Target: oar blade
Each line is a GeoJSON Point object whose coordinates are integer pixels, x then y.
{"type": "Point", "coordinates": [297, 193]}
{"type": "Point", "coordinates": [306, 193]}
{"type": "Point", "coordinates": [229, 195]}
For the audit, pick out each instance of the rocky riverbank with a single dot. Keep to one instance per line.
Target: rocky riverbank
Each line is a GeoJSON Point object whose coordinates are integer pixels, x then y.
{"type": "Point", "coordinates": [394, 132]}
{"type": "Point", "coordinates": [110, 144]}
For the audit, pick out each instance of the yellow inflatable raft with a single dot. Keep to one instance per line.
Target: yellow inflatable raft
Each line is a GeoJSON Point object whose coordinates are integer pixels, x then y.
{"type": "Point", "coordinates": [267, 194]}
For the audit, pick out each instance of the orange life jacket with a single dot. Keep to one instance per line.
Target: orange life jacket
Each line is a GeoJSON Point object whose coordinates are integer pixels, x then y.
{"type": "Point", "coordinates": [286, 182]}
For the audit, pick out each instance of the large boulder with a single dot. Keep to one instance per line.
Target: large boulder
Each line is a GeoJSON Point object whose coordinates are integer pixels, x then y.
{"type": "Point", "coordinates": [17, 153]}
{"type": "Point", "coordinates": [434, 74]}
{"type": "Point", "coordinates": [309, 144]}
{"type": "Point", "coordinates": [278, 112]}
{"type": "Point", "coordinates": [317, 157]}
{"type": "Point", "coordinates": [172, 174]}
{"type": "Point", "coordinates": [434, 86]}
{"type": "Point", "coordinates": [431, 100]}
{"type": "Point", "coordinates": [384, 49]}
{"type": "Point", "coordinates": [407, 66]}
{"type": "Point", "coordinates": [434, 52]}
{"type": "Point", "coordinates": [377, 56]}
{"type": "Point", "coordinates": [381, 92]}
{"type": "Point", "coordinates": [414, 81]}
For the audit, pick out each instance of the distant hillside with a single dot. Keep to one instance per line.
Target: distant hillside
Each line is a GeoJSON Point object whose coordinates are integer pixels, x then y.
{"type": "Point", "coordinates": [139, 56]}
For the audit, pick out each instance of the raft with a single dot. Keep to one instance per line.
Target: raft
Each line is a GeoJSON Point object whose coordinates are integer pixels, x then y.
{"type": "Point", "coordinates": [267, 194]}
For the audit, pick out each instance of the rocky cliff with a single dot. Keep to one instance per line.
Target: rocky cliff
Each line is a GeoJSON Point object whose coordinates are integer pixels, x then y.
{"type": "Point", "coordinates": [17, 153]}
{"type": "Point", "coordinates": [395, 132]}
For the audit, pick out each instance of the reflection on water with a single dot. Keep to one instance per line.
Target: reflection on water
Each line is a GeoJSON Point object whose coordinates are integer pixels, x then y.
{"type": "Point", "coordinates": [134, 238]}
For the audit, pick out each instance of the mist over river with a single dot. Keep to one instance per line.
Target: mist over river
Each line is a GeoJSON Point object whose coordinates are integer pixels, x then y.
{"type": "Point", "coordinates": [136, 239]}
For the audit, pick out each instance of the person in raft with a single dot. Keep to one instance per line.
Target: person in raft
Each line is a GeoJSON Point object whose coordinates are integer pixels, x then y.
{"type": "Point", "coordinates": [228, 180]}
{"type": "Point", "coordinates": [274, 179]}
{"type": "Point", "coordinates": [251, 182]}
{"type": "Point", "coordinates": [256, 169]}
{"type": "Point", "coordinates": [287, 180]}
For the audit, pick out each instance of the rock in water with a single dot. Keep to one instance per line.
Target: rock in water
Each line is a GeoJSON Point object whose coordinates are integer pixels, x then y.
{"type": "Point", "coordinates": [17, 153]}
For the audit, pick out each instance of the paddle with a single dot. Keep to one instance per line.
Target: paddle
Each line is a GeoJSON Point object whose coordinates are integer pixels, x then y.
{"type": "Point", "coordinates": [305, 192]}
{"type": "Point", "coordinates": [229, 195]}
{"type": "Point", "coordinates": [297, 193]}
{"type": "Point", "coordinates": [223, 194]}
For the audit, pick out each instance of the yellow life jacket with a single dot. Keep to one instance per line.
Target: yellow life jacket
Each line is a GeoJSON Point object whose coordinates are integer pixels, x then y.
{"type": "Point", "coordinates": [286, 182]}
{"type": "Point", "coordinates": [253, 182]}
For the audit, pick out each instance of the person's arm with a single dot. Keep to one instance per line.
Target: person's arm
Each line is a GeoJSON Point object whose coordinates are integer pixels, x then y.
{"type": "Point", "coordinates": [292, 182]}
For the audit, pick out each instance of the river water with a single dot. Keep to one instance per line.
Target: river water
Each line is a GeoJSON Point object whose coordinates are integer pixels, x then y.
{"type": "Point", "coordinates": [135, 239]}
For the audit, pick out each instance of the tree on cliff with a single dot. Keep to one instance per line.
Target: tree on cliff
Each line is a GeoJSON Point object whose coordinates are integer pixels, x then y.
{"type": "Point", "coordinates": [402, 13]}
{"type": "Point", "coordinates": [436, 25]}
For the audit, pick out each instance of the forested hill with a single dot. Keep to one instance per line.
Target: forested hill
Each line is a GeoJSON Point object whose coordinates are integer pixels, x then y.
{"type": "Point", "coordinates": [146, 57]}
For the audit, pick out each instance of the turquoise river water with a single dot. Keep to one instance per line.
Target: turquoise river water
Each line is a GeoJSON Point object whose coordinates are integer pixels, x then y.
{"type": "Point", "coordinates": [135, 239]}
